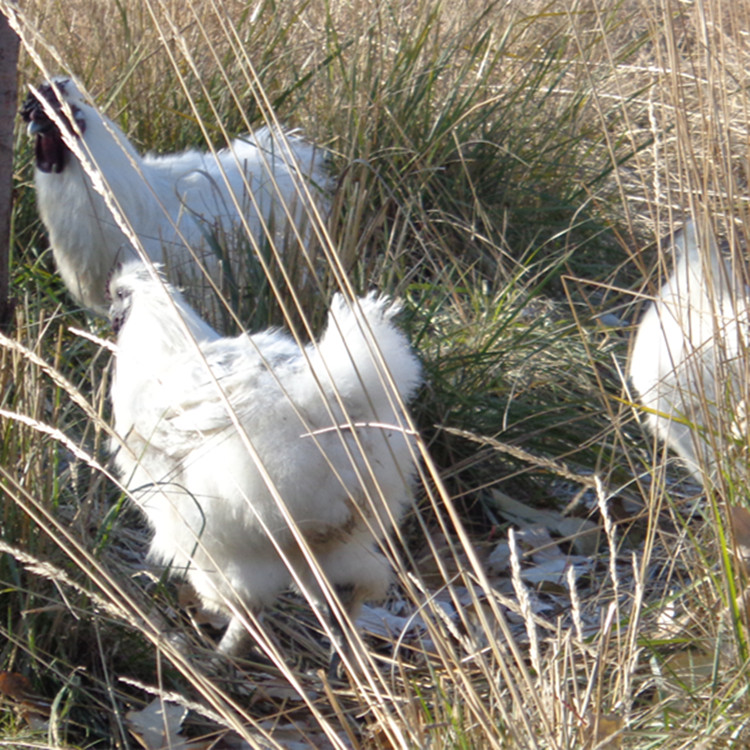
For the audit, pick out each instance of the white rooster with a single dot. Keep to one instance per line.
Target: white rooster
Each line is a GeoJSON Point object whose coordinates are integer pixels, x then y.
{"type": "Point", "coordinates": [227, 443]}
{"type": "Point", "coordinates": [181, 206]}
{"type": "Point", "coordinates": [689, 360]}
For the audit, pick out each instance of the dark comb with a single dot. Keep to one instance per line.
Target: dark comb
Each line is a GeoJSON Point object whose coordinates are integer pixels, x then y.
{"type": "Point", "coordinates": [31, 105]}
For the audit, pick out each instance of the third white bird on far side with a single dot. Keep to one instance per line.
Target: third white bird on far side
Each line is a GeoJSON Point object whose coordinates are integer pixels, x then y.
{"type": "Point", "coordinates": [689, 362]}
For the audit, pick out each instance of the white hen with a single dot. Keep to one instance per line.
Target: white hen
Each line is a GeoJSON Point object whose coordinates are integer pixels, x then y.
{"type": "Point", "coordinates": [688, 362]}
{"type": "Point", "coordinates": [216, 429]}
{"type": "Point", "coordinates": [181, 206]}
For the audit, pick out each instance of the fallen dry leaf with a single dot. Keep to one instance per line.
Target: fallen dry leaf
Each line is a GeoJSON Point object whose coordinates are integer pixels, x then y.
{"type": "Point", "coordinates": [681, 675]}
{"type": "Point", "coordinates": [14, 685]}
{"type": "Point", "coordinates": [582, 533]}
{"type": "Point", "coordinates": [158, 725]}
{"type": "Point", "coordinates": [33, 709]}
{"type": "Point", "coordinates": [598, 730]}
{"type": "Point", "coordinates": [740, 520]}
{"type": "Point", "coordinates": [690, 669]}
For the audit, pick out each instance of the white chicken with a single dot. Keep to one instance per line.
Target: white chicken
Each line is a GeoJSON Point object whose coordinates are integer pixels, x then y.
{"type": "Point", "coordinates": [229, 443]}
{"type": "Point", "coordinates": [688, 363]}
{"type": "Point", "coordinates": [186, 209]}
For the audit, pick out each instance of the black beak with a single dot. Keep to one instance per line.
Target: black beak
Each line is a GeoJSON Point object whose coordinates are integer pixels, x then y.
{"type": "Point", "coordinates": [49, 148]}
{"type": "Point", "coordinates": [38, 126]}
{"type": "Point", "coordinates": [118, 320]}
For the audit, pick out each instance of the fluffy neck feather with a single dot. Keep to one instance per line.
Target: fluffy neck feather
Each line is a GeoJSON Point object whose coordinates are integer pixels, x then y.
{"type": "Point", "coordinates": [161, 321]}
{"type": "Point", "coordinates": [159, 325]}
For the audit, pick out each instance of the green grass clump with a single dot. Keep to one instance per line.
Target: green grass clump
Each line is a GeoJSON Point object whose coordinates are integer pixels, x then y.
{"type": "Point", "coordinates": [498, 167]}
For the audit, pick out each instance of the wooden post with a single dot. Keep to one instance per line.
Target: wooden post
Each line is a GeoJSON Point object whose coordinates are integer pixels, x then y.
{"type": "Point", "coordinates": [8, 104]}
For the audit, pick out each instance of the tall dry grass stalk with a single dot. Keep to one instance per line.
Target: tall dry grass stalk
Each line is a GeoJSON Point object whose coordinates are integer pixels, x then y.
{"type": "Point", "coordinates": [506, 169]}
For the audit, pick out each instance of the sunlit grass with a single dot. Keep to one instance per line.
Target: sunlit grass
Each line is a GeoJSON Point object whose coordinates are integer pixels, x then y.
{"type": "Point", "coordinates": [505, 169]}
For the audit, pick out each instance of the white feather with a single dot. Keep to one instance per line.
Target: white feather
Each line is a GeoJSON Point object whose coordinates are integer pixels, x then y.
{"type": "Point", "coordinates": [688, 358]}
{"type": "Point", "coordinates": [217, 429]}
{"type": "Point", "coordinates": [177, 204]}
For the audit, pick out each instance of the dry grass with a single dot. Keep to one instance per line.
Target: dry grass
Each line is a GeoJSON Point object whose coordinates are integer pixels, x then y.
{"type": "Point", "coordinates": [508, 170]}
